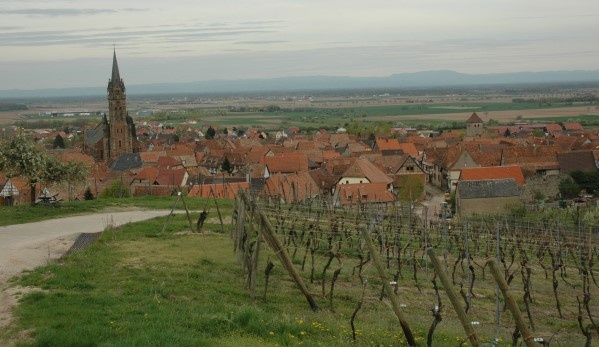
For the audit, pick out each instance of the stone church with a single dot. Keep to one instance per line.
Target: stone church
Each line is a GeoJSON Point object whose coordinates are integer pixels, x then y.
{"type": "Point", "coordinates": [115, 134]}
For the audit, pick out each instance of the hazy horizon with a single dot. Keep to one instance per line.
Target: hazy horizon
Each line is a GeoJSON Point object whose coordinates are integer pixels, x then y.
{"type": "Point", "coordinates": [65, 44]}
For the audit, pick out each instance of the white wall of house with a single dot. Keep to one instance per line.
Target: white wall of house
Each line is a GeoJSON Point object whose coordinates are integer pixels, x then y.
{"type": "Point", "coordinates": [353, 180]}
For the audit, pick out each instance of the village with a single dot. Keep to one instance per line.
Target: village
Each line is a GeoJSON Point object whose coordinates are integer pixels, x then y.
{"type": "Point", "coordinates": [338, 167]}
{"type": "Point", "coordinates": [480, 169]}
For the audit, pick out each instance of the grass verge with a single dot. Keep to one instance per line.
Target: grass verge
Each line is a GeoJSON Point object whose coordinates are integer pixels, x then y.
{"type": "Point", "coordinates": [26, 213]}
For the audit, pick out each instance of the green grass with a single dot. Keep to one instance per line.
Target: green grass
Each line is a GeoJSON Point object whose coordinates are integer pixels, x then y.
{"type": "Point", "coordinates": [138, 287]}
{"type": "Point", "coordinates": [27, 213]}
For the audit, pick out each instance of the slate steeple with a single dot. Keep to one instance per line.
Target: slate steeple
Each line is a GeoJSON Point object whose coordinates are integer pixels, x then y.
{"type": "Point", "coordinates": [116, 77]}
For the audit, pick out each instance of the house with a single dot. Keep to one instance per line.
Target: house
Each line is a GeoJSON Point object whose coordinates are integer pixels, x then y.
{"type": "Point", "coordinates": [291, 188]}
{"type": "Point", "coordinates": [287, 163]}
{"type": "Point", "coordinates": [364, 171]}
{"type": "Point", "coordinates": [492, 173]}
{"type": "Point", "coordinates": [400, 168]}
{"type": "Point", "coordinates": [363, 195]}
{"type": "Point", "coordinates": [393, 146]}
{"type": "Point", "coordinates": [485, 196]}
{"type": "Point", "coordinates": [534, 160]}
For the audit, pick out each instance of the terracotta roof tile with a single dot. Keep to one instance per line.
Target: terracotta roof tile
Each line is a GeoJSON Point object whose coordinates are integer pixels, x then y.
{"type": "Point", "coordinates": [495, 172]}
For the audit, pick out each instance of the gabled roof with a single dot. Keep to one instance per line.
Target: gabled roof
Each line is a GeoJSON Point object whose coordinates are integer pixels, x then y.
{"type": "Point", "coordinates": [487, 188]}
{"type": "Point", "coordinates": [540, 157]}
{"type": "Point", "coordinates": [492, 173]}
{"type": "Point", "coordinates": [474, 118]}
{"type": "Point", "coordinates": [395, 145]}
{"type": "Point", "coordinates": [573, 126]}
{"type": "Point", "coordinates": [167, 161]}
{"type": "Point", "coordinates": [227, 190]}
{"type": "Point", "coordinates": [291, 188]}
{"type": "Point", "coordinates": [363, 193]}
{"type": "Point", "coordinates": [172, 177]}
{"type": "Point", "coordinates": [365, 168]}
{"type": "Point", "coordinates": [287, 163]}
{"type": "Point", "coordinates": [553, 128]}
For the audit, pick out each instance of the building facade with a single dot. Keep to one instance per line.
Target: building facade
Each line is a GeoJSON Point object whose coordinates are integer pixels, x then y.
{"type": "Point", "coordinates": [114, 135]}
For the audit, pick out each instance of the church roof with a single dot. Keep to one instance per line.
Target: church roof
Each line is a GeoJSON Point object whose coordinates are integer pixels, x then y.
{"type": "Point", "coordinates": [474, 118]}
{"type": "Point", "coordinates": [93, 136]}
{"type": "Point", "coordinates": [116, 77]}
{"type": "Point", "coordinates": [127, 161]}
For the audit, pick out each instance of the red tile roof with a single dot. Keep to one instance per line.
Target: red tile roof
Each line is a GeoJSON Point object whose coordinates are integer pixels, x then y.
{"type": "Point", "coordinates": [287, 163]}
{"type": "Point", "coordinates": [363, 193]}
{"type": "Point", "coordinates": [291, 188]}
{"type": "Point", "coordinates": [365, 168]}
{"type": "Point", "coordinates": [228, 190]}
{"type": "Point", "coordinates": [492, 173]}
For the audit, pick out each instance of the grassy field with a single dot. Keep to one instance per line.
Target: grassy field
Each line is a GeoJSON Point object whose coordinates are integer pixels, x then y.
{"type": "Point", "coordinates": [135, 287]}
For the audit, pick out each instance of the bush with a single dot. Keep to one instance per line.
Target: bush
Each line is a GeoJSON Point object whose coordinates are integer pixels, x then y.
{"type": "Point", "coordinates": [88, 194]}
{"type": "Point", "coordinates": [116, 190]}
{"type": "Point", "coordinates": [568, 188]}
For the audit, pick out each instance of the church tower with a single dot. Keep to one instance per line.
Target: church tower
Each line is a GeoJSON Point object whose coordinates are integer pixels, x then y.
{"type": "Point", "coordinates": [119, 134]}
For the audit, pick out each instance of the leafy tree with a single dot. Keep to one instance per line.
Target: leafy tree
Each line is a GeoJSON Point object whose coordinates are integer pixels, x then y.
{"type": "Point", "coordinates": [58, 142]}
{"type": "Point", "coordinates": [587, 180]}
{"type": "Point", "coordinates": [210, 133]}
{"type": "Point", "coordinates": [20, 156]}
{"type": "Point", "coordinates": [226, 166]}
{"type": "Point", "coordinates": [568, 188]}
{"type": "Point", "coordinates": [507, 133]}
{"type": "Point", "coordinates": [412, 189]}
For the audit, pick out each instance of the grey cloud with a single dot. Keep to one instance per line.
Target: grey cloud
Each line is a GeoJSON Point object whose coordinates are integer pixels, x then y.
{"type": "Point", "coordinates": [55, 12]}
{"type": "Point", "coordinates": [265, 42]}
{"type": "Point", "coordinates": [47, 38]}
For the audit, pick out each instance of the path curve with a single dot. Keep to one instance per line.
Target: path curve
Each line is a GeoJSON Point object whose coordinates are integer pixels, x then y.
{"type": "Point", "coordinates": [27, 246]}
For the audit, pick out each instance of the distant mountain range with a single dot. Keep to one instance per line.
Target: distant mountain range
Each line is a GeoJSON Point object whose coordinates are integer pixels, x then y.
{"type": "Point", "coordinates": [424, 79]}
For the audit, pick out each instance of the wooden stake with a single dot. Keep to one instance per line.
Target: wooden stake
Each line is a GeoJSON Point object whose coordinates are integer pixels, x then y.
{"type": "Point", "coordinates": [511, 303]}
{"type": "Point", "coordinates": [394, 300]}
{"type": "Point", "coordinates": [274, 243]}
{"type": "Point", "coordinates": [453, 298]}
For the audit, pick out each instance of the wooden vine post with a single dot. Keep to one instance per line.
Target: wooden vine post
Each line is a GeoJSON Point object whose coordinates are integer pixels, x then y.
{"type": "Point", "coordinates": [271, 239]}
{"type": "Point", "coordinates": [387, 285]}
{"type": "Point", "coordinates": [453, 298]}
{"type": "Point", "coordinates": [511, 303]}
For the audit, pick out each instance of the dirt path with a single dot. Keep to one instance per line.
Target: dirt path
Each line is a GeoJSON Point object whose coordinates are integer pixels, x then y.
{"type": "Point", "coordinates": [27, 246]}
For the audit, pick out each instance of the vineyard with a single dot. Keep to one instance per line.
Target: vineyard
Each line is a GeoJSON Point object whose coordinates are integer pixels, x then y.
{"type": "Point", "coordinates": [347, 260]}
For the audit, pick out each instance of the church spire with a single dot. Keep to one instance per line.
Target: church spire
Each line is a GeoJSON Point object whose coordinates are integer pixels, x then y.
{"type": "Point", "coordinates": [116, 77]}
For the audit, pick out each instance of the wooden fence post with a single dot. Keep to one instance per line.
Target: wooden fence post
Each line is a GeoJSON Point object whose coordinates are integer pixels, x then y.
{"type": "Point", "coordinates": [457, 306]}
{"type": "Point", "coordinates": [394, 300]}
{"type": "Point", "coordinates": [511, 303]}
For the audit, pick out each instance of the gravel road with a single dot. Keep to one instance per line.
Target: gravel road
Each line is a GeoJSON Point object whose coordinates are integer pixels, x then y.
{"type": "Point", "coordinates": [27, 246]}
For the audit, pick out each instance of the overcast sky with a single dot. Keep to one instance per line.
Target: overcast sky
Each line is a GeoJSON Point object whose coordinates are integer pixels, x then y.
{"type": "Point", "coordinates": [69, 43]}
